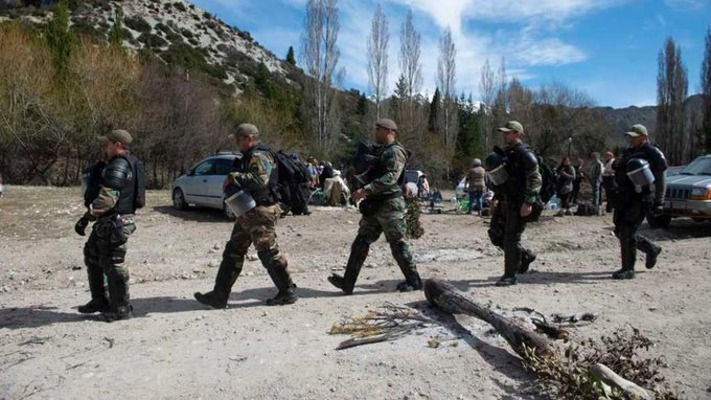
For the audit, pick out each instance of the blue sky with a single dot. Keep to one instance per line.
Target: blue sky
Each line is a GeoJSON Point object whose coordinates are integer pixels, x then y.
{"type": "Point", "coordinates": [607, 48]}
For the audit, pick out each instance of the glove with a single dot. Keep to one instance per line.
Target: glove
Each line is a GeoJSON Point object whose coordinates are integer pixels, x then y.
{"type": "Point", "coordinates": [80, 226]}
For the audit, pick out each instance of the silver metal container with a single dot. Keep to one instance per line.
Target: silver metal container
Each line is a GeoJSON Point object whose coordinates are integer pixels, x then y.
{"type": "Point", "coordinates": [240, 203]}
{"type": "Point", "coordinates": [498, 175]}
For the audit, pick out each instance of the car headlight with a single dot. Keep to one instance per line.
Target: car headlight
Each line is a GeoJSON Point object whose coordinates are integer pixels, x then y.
{"type": "Point", "coordinates": [700, 194]}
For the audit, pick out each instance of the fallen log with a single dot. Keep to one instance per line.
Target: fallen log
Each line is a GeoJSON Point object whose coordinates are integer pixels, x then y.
{"type": "Point", "coordinates": [608, 376]}
{"type": "Point", "coordinates": [447, 297]}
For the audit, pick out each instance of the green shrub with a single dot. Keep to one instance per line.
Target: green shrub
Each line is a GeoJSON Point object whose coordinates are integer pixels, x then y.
{"type": "Point", "coordinates": [84, 28]}
{"type": "Point", "coordinates": [152, 41]}
{"type": "Point", "coordinates": [180, 6]}
{"type": "Point", "coordinates": [137, 23]}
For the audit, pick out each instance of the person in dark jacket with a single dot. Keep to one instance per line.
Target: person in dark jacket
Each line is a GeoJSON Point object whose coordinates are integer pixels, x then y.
{"type": "Point", "coordinates": [513, 202]}
{"type": "Point", "coordinates": [578, 167]}
{"type": "Point", "coordinates": [112, 205]}
{"type": "Point", "coordinates": [641, 186]}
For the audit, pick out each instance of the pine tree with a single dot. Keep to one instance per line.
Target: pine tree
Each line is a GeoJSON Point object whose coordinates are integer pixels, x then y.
{"type": "Point", "coordinates": [290, 56]}
{"type": "Point", "coordinates": [116, 32]}
{"type": "Point", "coordinates": [60, 39]}
{"type": "Point", "coordinates": [432, 122]}
{"type": "Point", "coordinates": [362, 106]}
{"type": "Point", "coordinates": [706, 93]}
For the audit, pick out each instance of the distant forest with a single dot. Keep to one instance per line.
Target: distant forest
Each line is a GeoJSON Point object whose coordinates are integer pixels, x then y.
{"type": "Point", "coordinates": [62, 84]}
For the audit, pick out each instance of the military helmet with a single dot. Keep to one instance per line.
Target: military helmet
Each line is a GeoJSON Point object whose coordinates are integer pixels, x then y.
{"type": "Point", "coordinates": [495, 165]}
{"type": "Point", "coordinates": [493, 160]}
{"type": "Point", "coordinates": [639, 173]}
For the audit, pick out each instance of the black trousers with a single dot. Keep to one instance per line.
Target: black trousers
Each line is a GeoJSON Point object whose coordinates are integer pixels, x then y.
{"type": "Point", "coordinates": [505, 232]}
{"type": "Point", "coordinates": [629, 215]}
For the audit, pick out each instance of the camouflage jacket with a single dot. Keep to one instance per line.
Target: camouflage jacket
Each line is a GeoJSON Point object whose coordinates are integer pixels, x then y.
{"type": "Point", "coordinates": [392, 161]}
{"type": "Point", "coordinates": [258, 168]}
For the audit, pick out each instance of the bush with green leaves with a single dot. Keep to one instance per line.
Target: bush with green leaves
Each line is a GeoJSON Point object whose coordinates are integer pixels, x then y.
{"type": "Point", "coordinates": [137, 23]}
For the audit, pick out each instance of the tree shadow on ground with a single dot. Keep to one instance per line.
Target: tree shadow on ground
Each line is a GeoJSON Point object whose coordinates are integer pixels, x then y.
{"type": "Point", "coordinates": [680, 228]}
{"type": "Point", "coordinates": [262, 294]}
{"type": "Point", "coordinates": [193, 214]}
{"type": "Point", "coordinates": [535, 277]}
{"type": "Point", "coordinates": [499, 358]}
{"type": "Point", "coordinates": [36, 316]}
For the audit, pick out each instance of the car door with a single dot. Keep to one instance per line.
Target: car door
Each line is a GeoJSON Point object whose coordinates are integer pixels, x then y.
{"type": "Point", "coordinates": [214, 182]}
{"type": "Point", "coordinates": [196, 183]}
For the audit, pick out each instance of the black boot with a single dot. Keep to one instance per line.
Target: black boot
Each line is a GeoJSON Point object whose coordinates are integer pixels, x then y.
{"type": "Point", "coordinates": [410, 284]}
{"type": "Point", "coordinates": [513, 253]}
{"type": "Point", "coordinates": [628, 252]}
{"type": "Point", "coordinates": [359, 252]}
{"type": "Point", "coordinates": [119, 298]}
{"type": "Point", "coordinates": [651, 260]}
{"type": "Point", "coordinates": [230, 269]}
{"type": "Point", "coordinates": [99, 300]}
{"type": "Point", "coordinates": [282, 280]}
{"type": "Point", "coordinates": [527, 257]}
{"type": "Point", "coordinates": [650, 249]}
{"type": "Point", "coordinates": [404, 260]}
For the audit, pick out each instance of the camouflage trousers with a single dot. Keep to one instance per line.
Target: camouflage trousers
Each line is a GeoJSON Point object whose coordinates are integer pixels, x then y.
{"type": "Point", "coordinates": [390, 220]}
{"type": "Point", "coordinates": [258, 227]}
{"type": "Point", "coordinates": [105, 254]}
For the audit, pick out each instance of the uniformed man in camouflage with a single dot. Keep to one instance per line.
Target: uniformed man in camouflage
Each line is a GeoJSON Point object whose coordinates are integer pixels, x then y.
{"type": "Point", "coordinates": [114, 212]}
{"type": "Point", "coordinates": [513, 202]}
{"type": "Point", "coordinates": [634, 201]}
{"type": "Point", "coordinates": [383, 209]}
{"type": "Point", "coordinates": [257, 175]}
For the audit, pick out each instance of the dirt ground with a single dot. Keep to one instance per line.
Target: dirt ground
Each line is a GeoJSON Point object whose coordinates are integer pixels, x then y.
{"type": "Point", "coordinates": [176, 348]}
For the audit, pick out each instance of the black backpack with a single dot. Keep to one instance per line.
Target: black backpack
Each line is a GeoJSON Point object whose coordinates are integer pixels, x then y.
{"type": "Point", "coordinates": [292, 176]}
{"type": "Point", "coordinates": [139, 181]}
{"type": "Point", "coordinates": [139, 200]}
{"type": "Point", "coordinates": [586, 209]}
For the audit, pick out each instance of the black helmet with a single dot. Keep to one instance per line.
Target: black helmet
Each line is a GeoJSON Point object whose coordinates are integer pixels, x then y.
{"type": "Point", "coordinates": [495, 168]}
{"type": "Point", "coordinates": [638, 172]}
{"type": "Point", "coordinates": [493, 160]}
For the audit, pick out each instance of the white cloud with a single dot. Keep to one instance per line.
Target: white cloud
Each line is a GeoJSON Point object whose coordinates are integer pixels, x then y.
{"type": "Point", "coordinates": [687, 4]}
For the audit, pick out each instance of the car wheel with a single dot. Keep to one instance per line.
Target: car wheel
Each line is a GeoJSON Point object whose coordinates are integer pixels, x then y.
{"type": "Point", "coordinates": [179, 202]}
{"type": "Point", "coordinates": [659, 221]}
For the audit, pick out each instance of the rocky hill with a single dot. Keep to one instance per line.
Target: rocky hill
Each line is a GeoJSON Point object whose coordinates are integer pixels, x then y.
{"type": "Point", "coordinates": [622, 118]}
{"type": "Point", "coordinates": [177, 31]}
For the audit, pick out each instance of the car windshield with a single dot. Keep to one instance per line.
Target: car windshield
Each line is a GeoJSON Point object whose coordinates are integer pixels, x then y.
{"type": "Point", "coordinates": [700, 166]}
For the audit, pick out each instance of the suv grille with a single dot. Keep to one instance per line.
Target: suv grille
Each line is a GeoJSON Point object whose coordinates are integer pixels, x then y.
{"type": "Point", "coordinates": [681, 194]}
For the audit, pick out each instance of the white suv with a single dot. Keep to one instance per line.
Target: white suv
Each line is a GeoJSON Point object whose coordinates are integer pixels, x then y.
{"type": "Point", "coordinates": [202, 185]}
{"type": "Point", "coordinates": [688, 194]}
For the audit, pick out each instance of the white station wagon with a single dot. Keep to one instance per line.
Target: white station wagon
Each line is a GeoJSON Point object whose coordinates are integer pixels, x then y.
{"type": "Point", "coordinates": [202, 184]}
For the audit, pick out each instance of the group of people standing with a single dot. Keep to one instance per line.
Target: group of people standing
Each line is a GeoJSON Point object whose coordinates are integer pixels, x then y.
{"type": "Point", "coordinates": [513, 173]}
{"type": "Point", "coordinates": [600, 175]}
